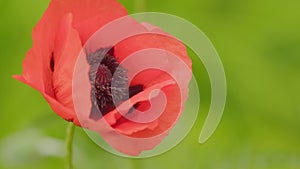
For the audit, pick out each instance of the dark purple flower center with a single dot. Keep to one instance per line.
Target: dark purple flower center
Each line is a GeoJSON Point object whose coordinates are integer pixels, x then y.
{"type": "Point", "coordinates": [109, 82]}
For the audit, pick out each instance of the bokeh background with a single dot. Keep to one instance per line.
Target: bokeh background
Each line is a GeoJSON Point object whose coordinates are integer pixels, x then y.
{"type": "Point", "coordinates": [259, 44]}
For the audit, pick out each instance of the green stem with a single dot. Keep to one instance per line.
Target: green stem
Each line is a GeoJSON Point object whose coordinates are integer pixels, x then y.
{"type": "Point", "coordinates": [140, 6]}
{"type": "Point", "coordinates": [69, 145]}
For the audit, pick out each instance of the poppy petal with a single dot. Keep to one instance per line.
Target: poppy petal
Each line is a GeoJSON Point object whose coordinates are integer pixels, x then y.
{"type": "Point", "coordinates": [125, 135]}
{"type": "Point", "coordinates": [57, 87]}
{"type": "Point", "coordinates": [122, 123]}
{"type": "Point", "coordinates": [66, 50]}
{"type": "Point", "coordinates": [170, 115]}
{"type": "Point", "coordinates": [148, 41]}
{"type": "Point", "coordinates": [39, 76]}
{"type": "Point", "coordinates": [89, 15]}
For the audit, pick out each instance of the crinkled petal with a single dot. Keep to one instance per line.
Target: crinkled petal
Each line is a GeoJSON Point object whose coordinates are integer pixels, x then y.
{"type": "Point", "coordinates": [157, 48]}
{"type": "Point", "coordinates": [66, 50]}
{"type": "Point", "coordinates": [88, 16]}
{"type": "Point", "coordinates": [136, 120]}
{"type": "Point", "coordinates": [57, 87]}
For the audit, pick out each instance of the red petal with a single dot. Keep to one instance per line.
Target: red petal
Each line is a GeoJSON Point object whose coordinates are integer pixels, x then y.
{"type": "Point", "coordinates": [164, 119]}
{"type": "Point", "coordinates": [89, 15]}
{"type": "Point", "coordinates": [129, 126]}
{"type": "Point", "coordinates": [169, 117]}
{"type": "Point", "coordinates": [56, 87]}
{"type": "Point", "coordinates": [127, 136]}
{"type": "Point", "coordinates": [66, 50]}
{"type": "Point", "coordinates": [147, 41]}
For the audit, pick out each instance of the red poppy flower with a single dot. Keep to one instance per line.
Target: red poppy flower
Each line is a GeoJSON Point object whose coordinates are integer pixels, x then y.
{"type": "Point", "coordinates": [93, 81]}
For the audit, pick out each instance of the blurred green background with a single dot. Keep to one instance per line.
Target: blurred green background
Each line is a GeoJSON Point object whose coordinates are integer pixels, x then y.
{"type": "Point", "coordinates": [259, 44]}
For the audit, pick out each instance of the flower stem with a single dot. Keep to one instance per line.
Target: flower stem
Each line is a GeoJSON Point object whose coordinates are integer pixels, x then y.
{"type": "Point", "coordinates": [140, 6]}
{"type": "Point", "coordinates": [69, 145]}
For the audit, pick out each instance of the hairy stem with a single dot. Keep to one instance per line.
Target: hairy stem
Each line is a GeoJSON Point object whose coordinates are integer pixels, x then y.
{"type": "Point", "coordinates": [69, 145]}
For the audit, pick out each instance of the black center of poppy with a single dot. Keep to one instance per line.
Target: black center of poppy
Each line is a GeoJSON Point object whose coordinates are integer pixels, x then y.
{"type": "Point", "coordinates": [109, 82]}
